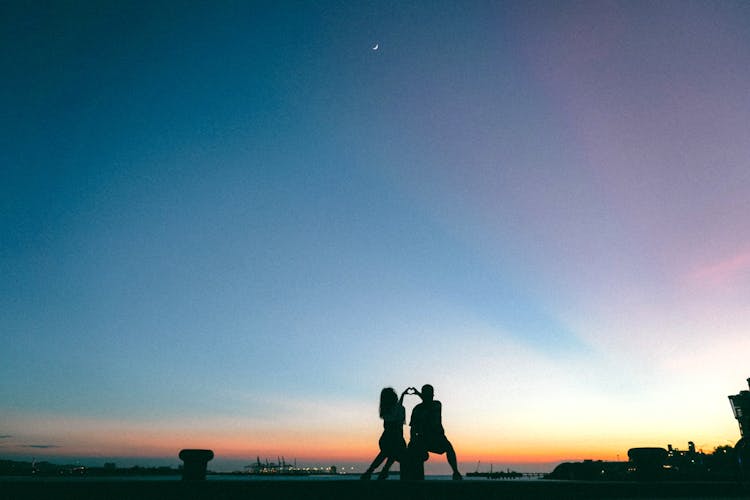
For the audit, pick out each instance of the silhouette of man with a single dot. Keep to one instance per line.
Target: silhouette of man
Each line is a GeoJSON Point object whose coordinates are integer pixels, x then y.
{"type": "Point", "coordinates": [427, 433]}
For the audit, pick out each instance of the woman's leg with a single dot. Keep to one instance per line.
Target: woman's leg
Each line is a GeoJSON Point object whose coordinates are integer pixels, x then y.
{"type": "Point", "coordinates": [374, 465]}
{"type": "Point", "coordinates": [387, 467]}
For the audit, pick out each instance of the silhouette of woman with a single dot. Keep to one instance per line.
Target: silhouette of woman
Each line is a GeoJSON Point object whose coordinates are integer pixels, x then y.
{"type": "Point", "coordinates": [392, 444]}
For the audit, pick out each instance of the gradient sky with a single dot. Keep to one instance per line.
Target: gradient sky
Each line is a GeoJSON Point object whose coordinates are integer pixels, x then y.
{"type": "Point", "coordinates": [230, 224]}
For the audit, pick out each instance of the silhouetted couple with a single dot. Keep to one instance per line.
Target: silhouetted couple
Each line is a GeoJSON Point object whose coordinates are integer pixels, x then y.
{"type": "Point", "coordinates": [427, 435]}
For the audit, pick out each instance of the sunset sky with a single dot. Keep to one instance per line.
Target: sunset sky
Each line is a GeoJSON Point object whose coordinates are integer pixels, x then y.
{"type": "Point", "coordinates": [230, 224]}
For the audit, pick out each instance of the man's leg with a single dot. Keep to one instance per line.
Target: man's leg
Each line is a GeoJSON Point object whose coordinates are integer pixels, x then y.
{"type": "Point", "coordinates": [450, 454]}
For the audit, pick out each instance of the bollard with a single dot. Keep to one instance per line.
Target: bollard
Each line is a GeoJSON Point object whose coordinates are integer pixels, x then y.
{"type": "Point", "coordinates": [195, 463]}
{"type": "Point", "coordinates": [648, 463]}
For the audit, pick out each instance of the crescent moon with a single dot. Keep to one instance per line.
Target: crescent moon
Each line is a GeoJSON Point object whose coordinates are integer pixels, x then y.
{"type": "Point", "coordinates": [376, 46]}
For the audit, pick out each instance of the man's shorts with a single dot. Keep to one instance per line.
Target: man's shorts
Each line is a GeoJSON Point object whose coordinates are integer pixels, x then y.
{"type": "Point", "coordinates": [434, 444]}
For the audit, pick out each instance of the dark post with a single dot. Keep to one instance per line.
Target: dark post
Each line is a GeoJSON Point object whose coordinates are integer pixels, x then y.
{"type": "Point", "coordinates": [412, 464]}
{"type": "Point", "coordinates": [195, 463]}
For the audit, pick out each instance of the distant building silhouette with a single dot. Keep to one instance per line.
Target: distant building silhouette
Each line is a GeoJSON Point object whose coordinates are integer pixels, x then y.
{"type": "Point", "coordinates": [741, 408]}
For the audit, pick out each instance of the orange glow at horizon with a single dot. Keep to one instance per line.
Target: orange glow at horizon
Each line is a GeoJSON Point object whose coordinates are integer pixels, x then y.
{"type": "Point", "coordinates": [360, 452]}
{"type": "Point", "coordinates": [158, 443]}
{"type": "Point", "coordinates": [232, 449]}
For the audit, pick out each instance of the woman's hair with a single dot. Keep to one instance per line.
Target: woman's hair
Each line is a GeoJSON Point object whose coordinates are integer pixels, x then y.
{"type": "Point", "coordinates": [388, 400]}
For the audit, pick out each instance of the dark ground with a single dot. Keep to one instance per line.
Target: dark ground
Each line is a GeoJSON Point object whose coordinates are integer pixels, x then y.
{"type": "Point", "coordinates": [39, 488]}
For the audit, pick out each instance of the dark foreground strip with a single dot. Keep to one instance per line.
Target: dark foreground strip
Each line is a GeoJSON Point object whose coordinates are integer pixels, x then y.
{"type": "Point", "coordinates": [40, 488]}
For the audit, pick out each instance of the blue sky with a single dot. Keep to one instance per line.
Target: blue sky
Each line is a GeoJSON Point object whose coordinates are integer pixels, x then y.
{"type": "Point", "coordinates": [243, 214]}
